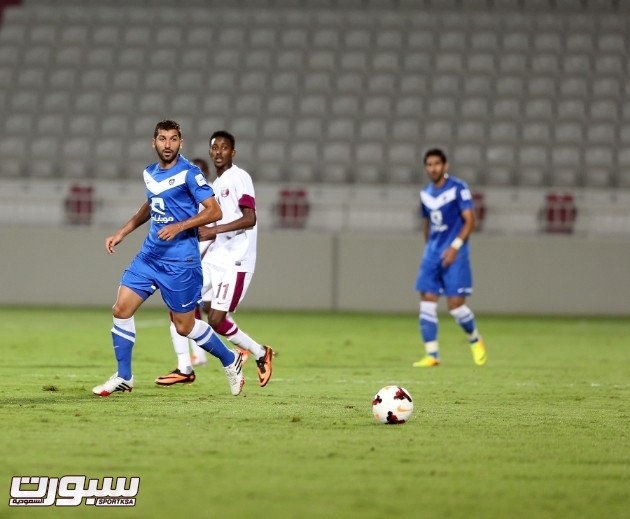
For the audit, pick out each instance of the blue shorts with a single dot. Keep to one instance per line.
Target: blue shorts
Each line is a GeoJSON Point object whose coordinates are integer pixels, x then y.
{"type": "Point", "coordinates": [452, 281]}
{"type": "Point", "coordinates": [180, 285]}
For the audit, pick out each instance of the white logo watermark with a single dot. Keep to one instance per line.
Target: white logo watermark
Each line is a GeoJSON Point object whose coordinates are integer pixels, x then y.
{"type": "Point", "coordinates": [72, 491]}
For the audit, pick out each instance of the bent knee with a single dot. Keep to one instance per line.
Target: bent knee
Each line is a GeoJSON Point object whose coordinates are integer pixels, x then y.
{"type": "Point", "coordinates": [122, 311]}
{"type": "Point", "coordinates": [183, 329]}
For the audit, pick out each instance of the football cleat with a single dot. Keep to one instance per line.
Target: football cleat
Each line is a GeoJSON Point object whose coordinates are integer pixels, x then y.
{"type": "Point", "coordinates": [175, 377]}
{"type": "Point", "coordinates": [234, 374]}
{"type": "Point", "coordinates": [478, 350]}
{"type": "Point", "coordinates": [244, 353]}
{"type": "Point", "coordinates": [263, 366]}
{"type": "Point", "coordinates": [113, 384]}
{"type": "Point", "coordinates": [427, 362]}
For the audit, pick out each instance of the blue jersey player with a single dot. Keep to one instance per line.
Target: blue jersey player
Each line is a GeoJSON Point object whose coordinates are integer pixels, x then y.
{"type": "Point", "coordinates": [169, 259]}
{"type": "Point", "coordinates": [448, 219]}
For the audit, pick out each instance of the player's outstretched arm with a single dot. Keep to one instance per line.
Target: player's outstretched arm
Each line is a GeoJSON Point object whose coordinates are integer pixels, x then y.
{"type": "Point", "coordinates": [142, 216]}
{"type": "Point", "coordinates": [211, 212]}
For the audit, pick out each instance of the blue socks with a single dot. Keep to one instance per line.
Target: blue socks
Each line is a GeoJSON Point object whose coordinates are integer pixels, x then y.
{"type": "Point", "coordinates": [429, 327]}
{"type": "Point", "coordinates": [123, 338]}
{"type": "Point", "coordinates": [466, 319]}
{"type": "Point", "coordinates": [203, 334]}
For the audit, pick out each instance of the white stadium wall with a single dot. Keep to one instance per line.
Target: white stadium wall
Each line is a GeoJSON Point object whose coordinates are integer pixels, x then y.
{"type": "Point", "coordinates": [308, 270]}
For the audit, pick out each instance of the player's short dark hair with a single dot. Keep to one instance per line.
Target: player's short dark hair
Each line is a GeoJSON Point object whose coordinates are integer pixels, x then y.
{"type": "Point", "coordinates": [226, 135]}
{"type": "Point", "coordinates": [435, 152]}
{"type": "Point", "coordinates": [167, 125]}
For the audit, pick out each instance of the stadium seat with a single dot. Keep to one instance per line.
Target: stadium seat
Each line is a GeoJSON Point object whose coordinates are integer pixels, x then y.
{"type": "Point", "coordinates": [357, 39]}
{"type": "Point", "coordinates": [380, 84]}
{"type": "Point", "coordinates": [442, 107]}
{"type": "Point", "coordinates": [252, 81]}
{"type": "Point", "coordinates": [345, 105]}
{"type": "Point", "coordinates": [484, 41]}
{"type": "Point", "coordinates": [481, 63]}
{"type": "Point", "coordinates": [341, 128]}
{"type": "Point", "coordinates": [217, 104]}
{"type": "Point", "coordinates": [389, 39]}
{"type": "Point", "coordinates": [310, 127]}
{"type": "Point", "coordinates": [449, 62]}
{"type": "Point", "coordinates": [72, 148]}
{"type": "Point", "coordinates": [603, 110]}
{"type": "Point", "coordinates": [405, 129]}
{"type": "Point", "coordinates": [478, 85]}
{"type": "Point", "coordinates": [325, 38]}
{"type": "Point", "coordinates": [606, 87]}
{"type": "Point", "coordinates": [452, 40]}
{"type": "Point", "coordinates": [608, 64]}
{"type": "Point", "coordinates": [536, 132]}
{"type": "Point", "coordinates": [87, 124]}
{"type": "Point", "coordinates": [304, 152]}
{"type": "Point", "coordinates": [313, 104]}
{"type": "Point", "coordinates": [420, 39]}
{"type": "Point", "coordinates": [506, 108]}
{"type": "Point", "coordinates": [469, 155]}
{"type": "Point", "coordinates": [245, 126]}
{"type": "Point", "coordinates": [324, 60]}
{"type": "Point", "coordinates": [438, 131]}
{"type": "Point", "coordinates": [374, 128]}
{"type": "Point", "coordinates": [541, 86]}
{"type": "Point", "coordinates": [602, 133]}
{"type": "Point", "coordinates": [289, 59]}
{"type": "Point", "coordinates": [539, 108]}
{"type": "Point", "coordinates": [143, 125]}
{"type": "Point", "coordinates": [571, 109]}
{"type": "Point", "coordinates": [417, 61]}
{"type": "Point", "coordinates": [353, 61]}
{"type": "Point", "coordinates": [513, 63]}
{"type": "Point", "coordinates": [337, 173]}
{"type": "Point", "coordinates": [568, 132]}
{"type": "Point", "coordinates": [276, 128]}
{"type": "Point", "coordinates": [285, 81]}
{"type": "Point", "coordinates": [411, 83]}
{"type": "Point", "coordinates": [474, 108]}
{"type": "Point", "coordinates": [39, 56]}
{"type": "Point", "coordinates": [302, 172]}
{"type": "Point", "coordinates": [445, 84]}
{"type": "Point", "coordinates": [471, 131]}
{"type": "Point", "coordinates": [336, 152]}
{"type": "Point", "coordinates": [44, 168]}
{"type": "Point", "coordinates": [510, 85]}
{"type": "Point", "coordinates": [574, 86]}
{"type": "Point", "coordinates": [31, 77]}
{"type": "Point", "coordinates": [317, 82]}
{"type": "Point", "coordinates": [503, 132]}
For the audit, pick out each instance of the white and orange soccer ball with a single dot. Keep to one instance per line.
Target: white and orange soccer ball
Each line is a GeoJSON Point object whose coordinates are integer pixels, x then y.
{"type": "Point", "coordinates": [392, 405]}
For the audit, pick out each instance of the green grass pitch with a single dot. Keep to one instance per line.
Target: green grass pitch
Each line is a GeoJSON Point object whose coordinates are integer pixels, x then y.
{"type": "Point", "coordinates": [541, 431]}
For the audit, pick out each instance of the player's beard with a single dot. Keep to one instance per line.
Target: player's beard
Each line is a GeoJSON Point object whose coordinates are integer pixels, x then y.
{"type": "Point", "coordinates": [171, 159]}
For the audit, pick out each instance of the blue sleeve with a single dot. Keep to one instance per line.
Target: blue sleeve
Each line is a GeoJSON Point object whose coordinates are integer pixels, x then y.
{"type": "Point", "coordinates": [196, 182]}
{"type": "Point", "coordinates": [464, 197]}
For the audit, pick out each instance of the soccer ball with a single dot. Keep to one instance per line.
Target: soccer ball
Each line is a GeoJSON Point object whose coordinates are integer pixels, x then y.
{"type": "Point", "coordinates": [392, 405]}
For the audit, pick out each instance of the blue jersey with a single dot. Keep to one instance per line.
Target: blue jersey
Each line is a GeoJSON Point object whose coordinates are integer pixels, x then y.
{"type": "Point", "coordinates": [174, 195]}
{"type": "Point", "coordinates": [443, 207]}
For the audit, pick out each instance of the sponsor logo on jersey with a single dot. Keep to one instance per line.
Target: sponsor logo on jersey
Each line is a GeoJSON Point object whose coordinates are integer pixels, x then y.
{"type": "Point", "coordinates": [162, 219]}
{"type": "Point", "coordinates": [225, 192]}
